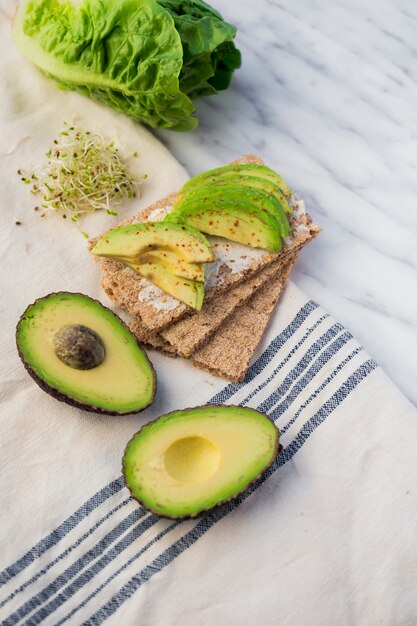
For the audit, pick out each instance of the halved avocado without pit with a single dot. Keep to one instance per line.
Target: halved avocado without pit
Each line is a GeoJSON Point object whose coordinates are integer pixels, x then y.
{"type": "Point", "coordinates": [188, 462]}
{"type": "Point", "coordinates": [81, 353]}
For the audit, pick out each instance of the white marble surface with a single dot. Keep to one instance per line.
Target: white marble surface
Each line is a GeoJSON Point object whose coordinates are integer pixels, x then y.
{"type": "Point", "coordinates": [327, 95]}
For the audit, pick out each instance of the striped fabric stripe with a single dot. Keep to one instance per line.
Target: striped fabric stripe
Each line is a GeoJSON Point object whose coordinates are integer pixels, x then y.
{"type": "Point", "coordinates": [285, 361]}
{"type": "Point", "coordinates": [63, 529]}
{"type": "Point", "coordinates": [78, 574]}
{"type": "Point", "coordinates": [277, 411]}
{"type": "Point", "coordinates": [310, 374]}
{"type": "Point", "coordinates": [307, 358]}
{"type": "Point", "coordinates": [266, 357]}
{"type": "Point", "coordinates": [67, 550]}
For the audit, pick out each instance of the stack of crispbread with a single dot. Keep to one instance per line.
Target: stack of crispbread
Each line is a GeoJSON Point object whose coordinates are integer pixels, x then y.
{"type": "Point", "coordinates": [242, 288]}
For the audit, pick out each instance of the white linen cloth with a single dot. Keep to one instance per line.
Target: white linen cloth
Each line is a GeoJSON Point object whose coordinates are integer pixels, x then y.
{"type": "Point", "coordinates": [327, 537]}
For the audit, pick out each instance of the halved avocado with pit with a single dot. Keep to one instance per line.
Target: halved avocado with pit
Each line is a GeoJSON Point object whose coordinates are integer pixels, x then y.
{"type": "Point", "coordinates": [187, 462]}
{"type": "Point", "coordinates": [80, 352]}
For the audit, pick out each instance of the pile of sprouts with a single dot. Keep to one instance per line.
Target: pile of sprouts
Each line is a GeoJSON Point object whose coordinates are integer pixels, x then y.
{"type": "Point", "coordinates": [83, 174]}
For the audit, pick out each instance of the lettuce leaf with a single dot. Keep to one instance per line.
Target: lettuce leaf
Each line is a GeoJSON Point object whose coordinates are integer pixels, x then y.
{"type": "Point", "coordinates": [210, 56]}
{"type": "Point", "coordinates": [147, 58]}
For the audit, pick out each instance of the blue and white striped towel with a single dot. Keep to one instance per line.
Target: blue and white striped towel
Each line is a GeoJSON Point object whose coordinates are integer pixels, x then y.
{"type": "Point", "coordinates": [327, 536]}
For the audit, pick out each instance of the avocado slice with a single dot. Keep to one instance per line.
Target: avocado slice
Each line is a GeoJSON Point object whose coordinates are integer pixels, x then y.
{"type": "Point", "coordinates": [235, 171]}
{"type": "Point", "coordinates": [191, 292]}
{"type": "Point", "coordinates": [241, 180]}
{"type": "Point", "coordinates": [133, 240]}
{"type": "Point", "coordinates": [174, 263]}
{"type": "Point", "coordinates": [244, 196]}
{"type": "Point", "coordinates": [229, 218]}
{"type": "Point", "coordinates": [187, 462]}
{"type": "Point", "coordinates": [81, 353]}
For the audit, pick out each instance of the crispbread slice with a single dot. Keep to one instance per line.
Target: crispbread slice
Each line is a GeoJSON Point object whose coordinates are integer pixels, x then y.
{"type": "Point", "coordinates": [151, 339]}
{"type": "Point", "coordinates": [231, 349]}
{"type": "Point", "coordinates": [182, 338]}
{"type": "Point", "coordinates": [155, 308]}
{"type": "Point", "coordinates": [191, 332]}
{"type": "Point", "coordinates": [156, 341]}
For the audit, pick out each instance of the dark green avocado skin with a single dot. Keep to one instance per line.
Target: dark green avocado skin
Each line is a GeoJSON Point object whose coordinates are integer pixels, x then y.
{"type": "Point", "coordinates": [62, 397]}
{"type": "Point", "coordinates": [278, 449]}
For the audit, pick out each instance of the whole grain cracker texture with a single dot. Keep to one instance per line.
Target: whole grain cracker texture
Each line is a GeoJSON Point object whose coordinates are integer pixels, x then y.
{"type": "Point", "coordinates": [231, 349]}
{"type": "Point", "coordinates": [191, 332]}
{"type": "Point", "coordinates": [280, 274]}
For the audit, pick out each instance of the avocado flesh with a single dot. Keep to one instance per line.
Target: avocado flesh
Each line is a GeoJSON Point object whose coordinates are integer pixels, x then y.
{"type": "Point", "coordinates": [241, 180]}
{"type": "Point", "coordinates": [174, 263]}
{"type": "Point", "coordinates": [237, 170]}
{"type": "Point", "coordinates": [246, 197]}
{"type": "Point", "coordinates": [190, 292]}
{"type": "Point", "coordinates": [190, 461]}
{"type": "Point", "coordinates": [123, 383]}
{"type": "Point", "coordinates": [135, 239]}
{"type": "Point", "coordinates": [252, 227]}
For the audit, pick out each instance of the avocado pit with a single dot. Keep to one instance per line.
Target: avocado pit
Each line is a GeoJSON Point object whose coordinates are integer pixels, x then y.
{"type": "Point", "coordinates": [79, 347]}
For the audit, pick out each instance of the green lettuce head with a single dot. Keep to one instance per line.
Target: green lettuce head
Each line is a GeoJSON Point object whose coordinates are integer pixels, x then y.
{"type": "Point", "coordinates": [147, 58]}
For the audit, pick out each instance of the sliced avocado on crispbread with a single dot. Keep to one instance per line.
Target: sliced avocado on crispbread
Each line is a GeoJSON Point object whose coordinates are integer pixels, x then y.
{"type": "Point", "coordinates": [80, 352]}
{"type": "Point", "coordinates": [191, 292]}
{"type": "Point", "coordinates": [187, 462]}
{"type": "Point", "coordinates": [255, 184]}
{"type": "Point", "coordinates": [237, 171]}
{"type": "Point", "coordinates": [174, 264]}
{"type": "Point", "coordinates": [248, 225]}
{"type": "Point", "coordinates": [169, 255]}
{"type": "Point", "coordinates": [243, 198]}
{"type": "Point", "coordinates": [246, 203]}
{"type": "Point", "coordinates": [130, 241]}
